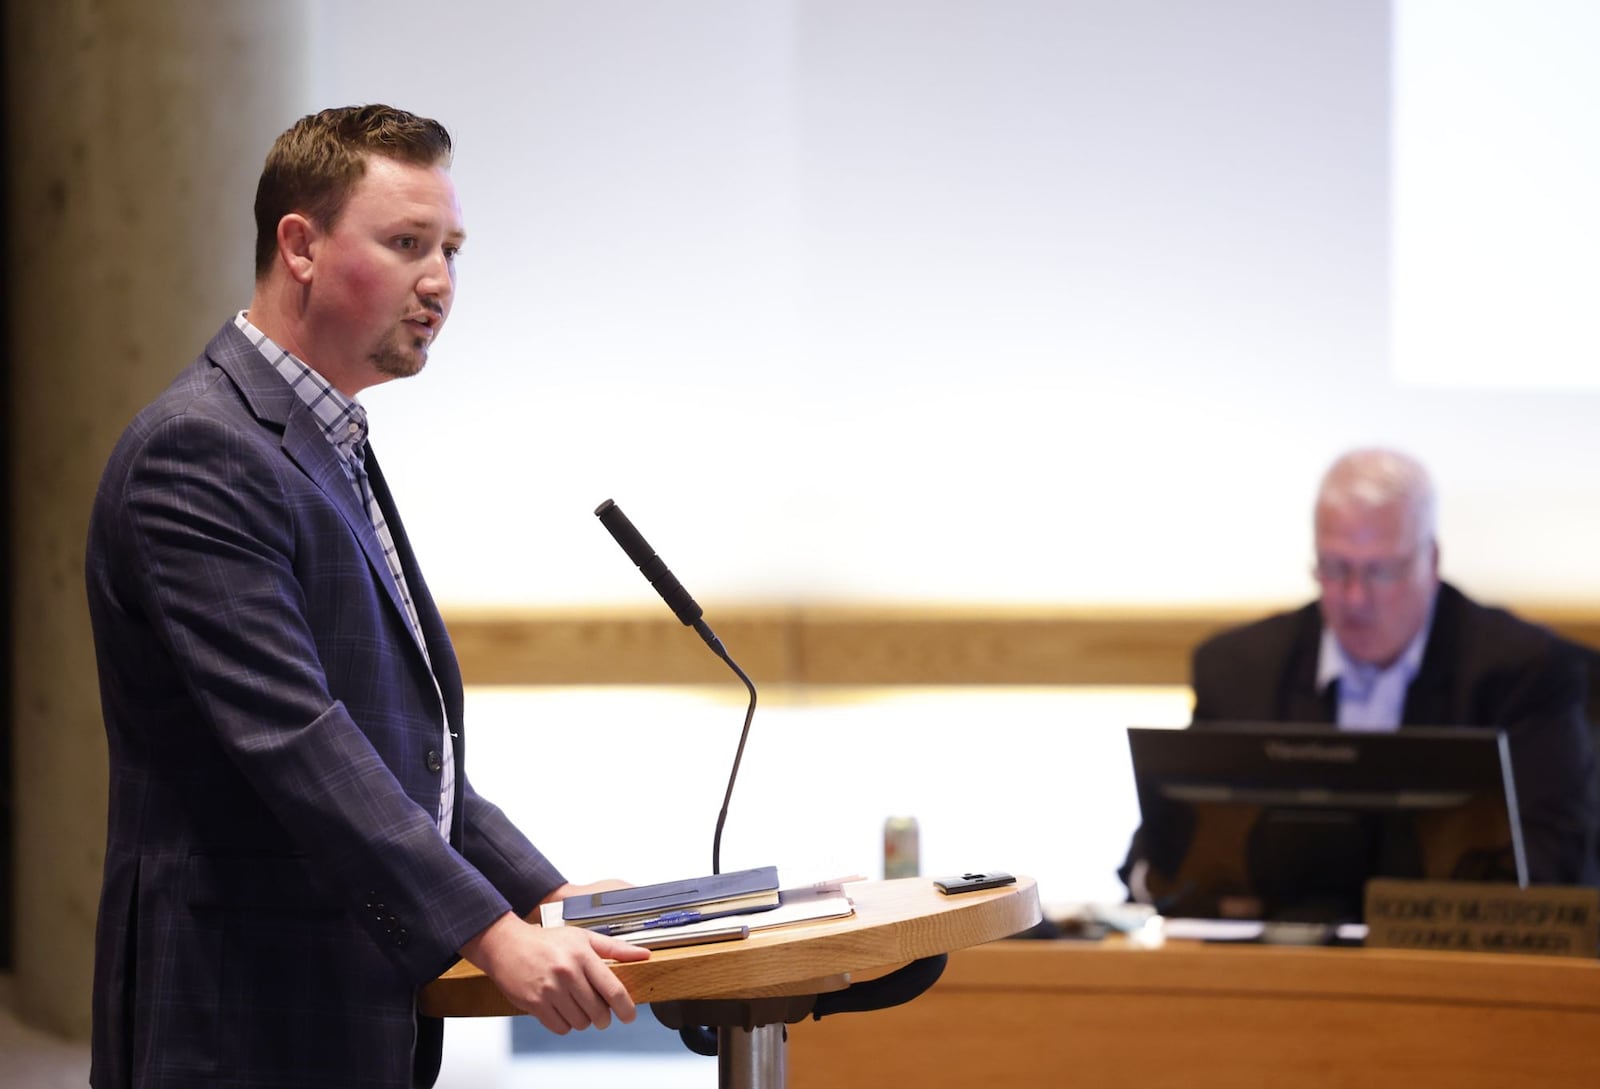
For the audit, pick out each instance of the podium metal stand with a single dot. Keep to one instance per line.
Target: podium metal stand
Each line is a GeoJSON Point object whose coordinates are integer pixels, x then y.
{"type": "Point", "coordinates": [749, 990]}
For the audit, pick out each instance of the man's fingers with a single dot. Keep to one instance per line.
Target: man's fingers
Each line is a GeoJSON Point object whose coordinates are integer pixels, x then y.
{"type": "Point", "coordinates": [575, 1007]}
{"type": "Point", "coordinates": [552, 1018]}
{"type": "Point", "coordinates": [588, 999]}
{"type": "Point", "coordinates": [608, 989]}
{"type": "Point", "coordinates": [592, 1003]}
{"type": "Point", "coordinates": [586, 1009]}
{"type": "Point", "coordinates": [605, 981]}
{"type": "Point", "coordinates": [568, 985]}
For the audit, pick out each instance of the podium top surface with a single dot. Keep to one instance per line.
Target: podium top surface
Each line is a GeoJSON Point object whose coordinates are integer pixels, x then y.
{"type": "Point", "coordinates": [895, 922]}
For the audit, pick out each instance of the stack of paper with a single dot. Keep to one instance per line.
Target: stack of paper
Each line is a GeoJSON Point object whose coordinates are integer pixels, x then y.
{"type": "Point", "coordinates": [822, 900]}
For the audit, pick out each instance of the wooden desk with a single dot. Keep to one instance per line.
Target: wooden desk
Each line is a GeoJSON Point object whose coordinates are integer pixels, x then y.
{"type": "Point", "coordinates": [895, 922]}
{"type": "Point", "coordinates": [1037, 1013]}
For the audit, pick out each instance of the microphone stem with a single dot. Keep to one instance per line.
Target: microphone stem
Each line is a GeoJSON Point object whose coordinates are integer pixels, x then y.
{"type": "Point", "coordinates": [716, 645]}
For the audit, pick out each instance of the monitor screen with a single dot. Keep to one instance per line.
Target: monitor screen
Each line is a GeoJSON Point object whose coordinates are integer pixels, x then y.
{"type": "Point", "coordinates": [1288, 821]}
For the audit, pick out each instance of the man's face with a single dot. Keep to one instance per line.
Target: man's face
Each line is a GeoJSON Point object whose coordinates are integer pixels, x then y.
{"type": "Point", "coordinates": [1377, 579]}
{"type": "Point", "coordinates": [384, 276]}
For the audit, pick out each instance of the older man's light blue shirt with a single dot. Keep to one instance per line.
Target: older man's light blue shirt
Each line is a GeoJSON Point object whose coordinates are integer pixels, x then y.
{"type": "Point", "coordinates": [1370, 698]}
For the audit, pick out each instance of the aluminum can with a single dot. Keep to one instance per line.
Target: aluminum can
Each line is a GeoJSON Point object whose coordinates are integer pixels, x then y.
{"type": "Point", "coordinates": [900, 847]}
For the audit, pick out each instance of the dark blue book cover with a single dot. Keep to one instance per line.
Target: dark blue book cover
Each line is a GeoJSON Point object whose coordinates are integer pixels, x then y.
{"type": "Point", "coordinates": [740, 889]}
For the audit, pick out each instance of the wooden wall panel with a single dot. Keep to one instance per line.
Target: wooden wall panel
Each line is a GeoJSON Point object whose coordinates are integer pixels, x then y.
{"type": "Point", "coordinates": [863, 645]}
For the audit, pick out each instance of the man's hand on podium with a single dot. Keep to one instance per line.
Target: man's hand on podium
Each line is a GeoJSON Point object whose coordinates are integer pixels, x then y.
{"type": "Point", "coordinates": [558, 975]}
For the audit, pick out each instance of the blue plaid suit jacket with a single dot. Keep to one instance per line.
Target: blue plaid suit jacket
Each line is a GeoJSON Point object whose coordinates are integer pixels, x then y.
{"type": "Point", "coordinates": [275, 887]}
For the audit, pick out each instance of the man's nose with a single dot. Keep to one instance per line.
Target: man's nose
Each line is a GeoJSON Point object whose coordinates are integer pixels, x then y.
{"type": "Point", "coordinates": [1355, 590]}
{"type": "Point", "coordinates": [438, 279]}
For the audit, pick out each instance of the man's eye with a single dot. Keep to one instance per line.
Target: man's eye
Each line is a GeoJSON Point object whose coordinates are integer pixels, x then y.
{"type": "Point", "coordinates": [452, 252]}
{"type": "Point", "coordinates": [406, 243]}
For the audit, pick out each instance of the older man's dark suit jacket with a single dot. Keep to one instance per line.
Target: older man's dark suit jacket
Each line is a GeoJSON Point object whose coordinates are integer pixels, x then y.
{"type": "Point", "coordinates": [276, 887]}
{"type": "Point", "coordinates": [1482, 667]}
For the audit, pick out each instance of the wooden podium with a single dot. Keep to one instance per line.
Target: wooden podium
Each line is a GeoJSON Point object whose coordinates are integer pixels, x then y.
{"type": "Point", "coordinates": [750, 989]}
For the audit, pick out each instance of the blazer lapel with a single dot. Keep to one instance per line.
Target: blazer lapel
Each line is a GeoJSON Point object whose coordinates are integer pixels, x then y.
{"type": "Point", "coordinates": [269, 397]}
{"type": "Point", "coordinates": [307, 447]}
{"type": "Point", "coordinates": [1428, 700]}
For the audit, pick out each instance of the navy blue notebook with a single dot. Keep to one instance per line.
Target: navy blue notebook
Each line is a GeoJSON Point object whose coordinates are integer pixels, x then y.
{"type": "Point", "coordinates": [741, 890]}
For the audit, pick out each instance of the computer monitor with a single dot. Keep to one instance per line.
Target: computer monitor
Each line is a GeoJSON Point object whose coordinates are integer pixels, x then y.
{"type": "Point", "coordinates": [1288, 821]}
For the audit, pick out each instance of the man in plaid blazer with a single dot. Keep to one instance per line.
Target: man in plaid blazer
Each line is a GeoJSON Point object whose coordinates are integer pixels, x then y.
{"type": "Point", "coordinates": [293, 845]}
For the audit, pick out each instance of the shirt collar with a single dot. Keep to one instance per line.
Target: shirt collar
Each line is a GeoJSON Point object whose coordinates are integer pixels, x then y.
{"type": "Point", "coordinates": [343, 419]}
{"type": "Point", "coordinates": [1333, 663]}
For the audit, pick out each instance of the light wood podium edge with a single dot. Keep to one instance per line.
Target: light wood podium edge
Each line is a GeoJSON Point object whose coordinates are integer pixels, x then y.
{"type": "Point", "coordinates": [895, 923]}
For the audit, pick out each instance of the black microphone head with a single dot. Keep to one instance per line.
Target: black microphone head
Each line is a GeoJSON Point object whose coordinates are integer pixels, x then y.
{"type": "Point", "coordinates": [631, 540]}
{"type": "Point", "coordinates": [644, 557]}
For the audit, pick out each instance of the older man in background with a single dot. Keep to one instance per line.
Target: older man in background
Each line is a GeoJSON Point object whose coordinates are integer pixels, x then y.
{"type": "Point", "coordinates": [1389, 644]}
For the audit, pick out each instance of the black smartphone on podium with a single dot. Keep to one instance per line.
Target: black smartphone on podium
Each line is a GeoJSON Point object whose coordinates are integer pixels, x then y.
{"type": "Point", "coordinates": [972, 882]}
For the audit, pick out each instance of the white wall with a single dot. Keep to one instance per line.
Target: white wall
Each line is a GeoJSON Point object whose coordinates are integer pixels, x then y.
{"type": "Point", "coordinates": [1059, 301]}
{"type": "Point", "coordinates": [1022, 301]}
{"type": "Point", "coordinates": [627, 782]}
{"type": "Point", "coordinates": [1495, 222]}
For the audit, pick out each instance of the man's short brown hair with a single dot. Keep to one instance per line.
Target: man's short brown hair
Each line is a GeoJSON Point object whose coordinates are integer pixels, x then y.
{"type": "Point", "coordinates": [313, 167]}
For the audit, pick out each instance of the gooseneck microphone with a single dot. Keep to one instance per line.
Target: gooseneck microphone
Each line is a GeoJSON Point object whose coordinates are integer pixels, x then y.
{"type": "Point", "coordinates": [690, 613]}
{"type": "Point", "coordinates": [901, 985]}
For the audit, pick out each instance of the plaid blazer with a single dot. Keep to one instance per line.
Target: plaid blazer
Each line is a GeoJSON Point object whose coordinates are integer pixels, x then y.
{"type": "Point", "coordinates": [275, 886]}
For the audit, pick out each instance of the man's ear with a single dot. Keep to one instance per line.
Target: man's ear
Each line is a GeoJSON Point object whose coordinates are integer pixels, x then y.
{"type": "Point", "coordinates": [295, 236]}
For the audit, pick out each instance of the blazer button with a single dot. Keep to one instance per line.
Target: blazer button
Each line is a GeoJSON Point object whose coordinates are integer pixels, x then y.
{"type": "Point", "coordinates": [435, 761]}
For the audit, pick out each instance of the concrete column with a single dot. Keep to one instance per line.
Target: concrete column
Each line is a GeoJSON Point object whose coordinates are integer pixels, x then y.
{"type": "Point", "coordinates": [138, 129]}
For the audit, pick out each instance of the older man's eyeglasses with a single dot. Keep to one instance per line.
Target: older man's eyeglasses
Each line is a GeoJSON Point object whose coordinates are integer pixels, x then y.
{"type": "Point", "coordinates": [1375, 573]}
